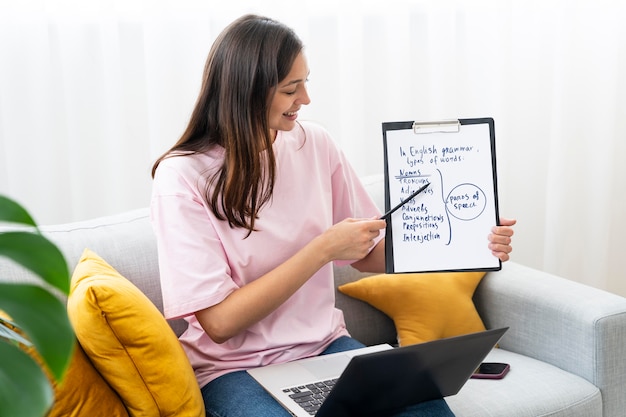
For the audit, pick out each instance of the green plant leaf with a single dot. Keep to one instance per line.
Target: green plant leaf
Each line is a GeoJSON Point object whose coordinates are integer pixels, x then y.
{"type": "Point", "coordinates": [38, 254]}
{"type": "Point", "coordinates": [12, 212]}
{"type": "Point", "coordinates": [24, 389]}
{"type": "Point", "coordinates": [43, 318]}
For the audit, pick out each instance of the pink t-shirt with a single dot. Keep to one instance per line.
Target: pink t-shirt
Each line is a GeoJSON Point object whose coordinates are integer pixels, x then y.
{"type": "Point", "coordinates": [202, 260]}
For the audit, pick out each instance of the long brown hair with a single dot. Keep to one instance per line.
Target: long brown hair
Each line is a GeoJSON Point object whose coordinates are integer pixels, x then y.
{"type": "Point", "coordinates": [245, 64]}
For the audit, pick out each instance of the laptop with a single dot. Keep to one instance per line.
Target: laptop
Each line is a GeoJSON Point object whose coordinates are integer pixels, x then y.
{"type": "Point", "coordinates": [377, 380]}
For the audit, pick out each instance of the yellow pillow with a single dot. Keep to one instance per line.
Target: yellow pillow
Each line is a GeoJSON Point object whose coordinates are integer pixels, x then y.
{"type": "Point", "coordinates": [423, 307]}
{"type": "Point", "coordinates": [83, 392]}
{"type": "Point", "coordinates": [130, 343]}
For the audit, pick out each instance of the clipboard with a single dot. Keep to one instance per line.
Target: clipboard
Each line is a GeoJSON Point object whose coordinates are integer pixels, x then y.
{"type": "Point", "coordinates": [444, 228]}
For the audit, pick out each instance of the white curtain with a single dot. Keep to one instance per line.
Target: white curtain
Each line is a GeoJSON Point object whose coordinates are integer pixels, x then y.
{"type": "Point", "coordinates": [91, 92]}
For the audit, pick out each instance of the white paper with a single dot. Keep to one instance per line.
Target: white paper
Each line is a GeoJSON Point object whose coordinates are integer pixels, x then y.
{"type": "Point", "coordinates": [445, 227]}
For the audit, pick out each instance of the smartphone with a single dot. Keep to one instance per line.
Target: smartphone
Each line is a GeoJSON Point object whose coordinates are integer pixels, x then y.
{"type": "Point", "coordinates": [491, 370]}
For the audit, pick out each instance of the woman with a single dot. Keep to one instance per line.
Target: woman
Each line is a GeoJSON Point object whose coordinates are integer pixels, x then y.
{"type": "Point", "coordinates": [250, 207]}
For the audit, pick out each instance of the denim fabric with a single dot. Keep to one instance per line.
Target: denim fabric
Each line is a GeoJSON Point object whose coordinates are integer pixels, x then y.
{"type": "Point", "coordinates": [237, 394]}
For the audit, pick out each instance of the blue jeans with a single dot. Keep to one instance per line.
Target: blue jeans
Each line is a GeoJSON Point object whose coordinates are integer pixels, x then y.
{"type": "Point", "coordinates": [237, 394]}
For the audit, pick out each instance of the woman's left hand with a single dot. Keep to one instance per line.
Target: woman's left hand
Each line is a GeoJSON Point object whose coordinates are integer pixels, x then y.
{"type": "Point", "coordinates": [500, 239]}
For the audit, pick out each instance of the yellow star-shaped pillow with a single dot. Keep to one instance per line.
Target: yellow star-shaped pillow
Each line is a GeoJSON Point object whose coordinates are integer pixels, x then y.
{"type": "Point", "coordinates": [423, 307]}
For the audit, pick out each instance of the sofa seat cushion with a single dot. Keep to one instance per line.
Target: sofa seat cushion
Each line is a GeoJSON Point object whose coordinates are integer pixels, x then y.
{"type": "Point", "coordinates": [130, 343]}
{"type": "Point", "coordinates": [531, 388]}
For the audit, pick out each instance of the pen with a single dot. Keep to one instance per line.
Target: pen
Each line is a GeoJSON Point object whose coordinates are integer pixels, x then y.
{"type": "Point", "coordinates": [409, 198]}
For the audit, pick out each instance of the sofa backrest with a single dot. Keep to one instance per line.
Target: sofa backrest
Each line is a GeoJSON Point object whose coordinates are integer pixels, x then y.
{"type": "Point", "coordinates": [126, 241]}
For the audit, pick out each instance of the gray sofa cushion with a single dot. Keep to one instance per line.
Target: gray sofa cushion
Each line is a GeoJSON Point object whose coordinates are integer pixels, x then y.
{"type": "Point", "coordinates": [531, 388]}
{"type": "Point", "coordinates": [128, 233]}
{"type": "Point", "coordinates": [366, 323]}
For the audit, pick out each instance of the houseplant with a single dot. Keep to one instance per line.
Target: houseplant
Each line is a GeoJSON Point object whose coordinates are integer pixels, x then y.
{"type": "Point", "coordinates": [38, 318]}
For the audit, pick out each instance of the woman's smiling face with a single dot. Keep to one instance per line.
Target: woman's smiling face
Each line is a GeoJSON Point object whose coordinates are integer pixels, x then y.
{"type": "Point", "coordinates": [290, 95]}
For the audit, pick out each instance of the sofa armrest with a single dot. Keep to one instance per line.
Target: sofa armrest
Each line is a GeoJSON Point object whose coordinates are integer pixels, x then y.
{"type": "Point", "coordinates": [567, 324]}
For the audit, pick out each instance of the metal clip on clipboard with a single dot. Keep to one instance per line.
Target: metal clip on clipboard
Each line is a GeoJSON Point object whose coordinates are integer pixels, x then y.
{"type": "Point", "coordinates": [445, 126]}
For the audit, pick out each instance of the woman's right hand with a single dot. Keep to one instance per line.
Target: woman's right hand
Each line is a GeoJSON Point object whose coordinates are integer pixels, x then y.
{"type": "Point", "coordinates": [351, 239]}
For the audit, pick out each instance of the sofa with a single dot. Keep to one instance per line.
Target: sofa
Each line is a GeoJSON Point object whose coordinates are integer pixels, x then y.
{"type": "Point", "coordinates": [566, 342]}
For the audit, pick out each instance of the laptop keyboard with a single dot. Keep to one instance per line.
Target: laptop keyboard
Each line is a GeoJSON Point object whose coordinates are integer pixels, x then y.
{"type": "Point", "coordinates": [311, 396]}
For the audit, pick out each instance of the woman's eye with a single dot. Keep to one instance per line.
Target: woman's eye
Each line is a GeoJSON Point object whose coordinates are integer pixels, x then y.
{"type": "Point", "coordinates": [290, 93]}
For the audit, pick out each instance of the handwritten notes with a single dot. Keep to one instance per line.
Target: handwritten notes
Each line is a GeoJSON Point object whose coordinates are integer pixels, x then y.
{"type": "Point", "coordinates": [445, 227]}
